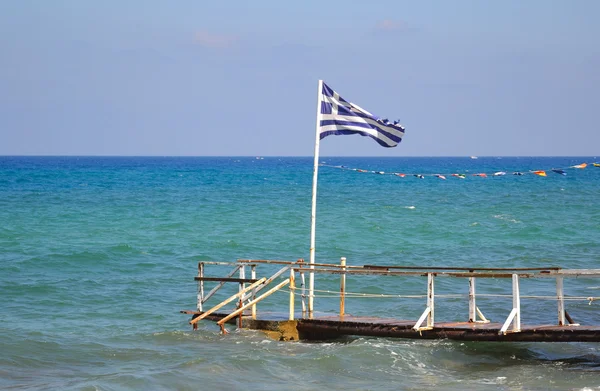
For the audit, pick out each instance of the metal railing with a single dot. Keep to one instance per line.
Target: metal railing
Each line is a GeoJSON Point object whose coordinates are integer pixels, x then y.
{"type": "Point", "coordinates": [247, 295]}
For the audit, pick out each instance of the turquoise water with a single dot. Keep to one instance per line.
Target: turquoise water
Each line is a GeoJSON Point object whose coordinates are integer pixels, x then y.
{"type": "Point", "coordinates": [98, 256]}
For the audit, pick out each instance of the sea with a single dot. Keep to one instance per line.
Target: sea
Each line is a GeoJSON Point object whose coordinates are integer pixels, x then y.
{"type": "Point", "coordinates": [98, 256]}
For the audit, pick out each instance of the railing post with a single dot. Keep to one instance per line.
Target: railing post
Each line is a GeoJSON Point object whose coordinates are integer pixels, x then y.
{"type": "Point", "coordinates": [472, 304]}
{"type": "Point", "coordinates": [303, 286]}
{"type": "Point", "coordinates": [241, 290]}
{"type": "Point", "coordinates": [311, 291]}
{"type": "Point", "coordinates": [428, 313]}
{"type": "Point", "coordinates": [253, 276]}
{"type": "Point", "coordinates": [200, 286]}
{"type": "Point", "coordinates": [292, 288]}
{"type": "Point", "coordinates": [430, 299]}
{"type": "Point", "coordinates": [515, 315]}
{"type": "Point", "coordinates": [516, 303]}
{"type": "Point", "coordinates": [561, 301]}
{"type": "Point", "coordinates": [342, 287]}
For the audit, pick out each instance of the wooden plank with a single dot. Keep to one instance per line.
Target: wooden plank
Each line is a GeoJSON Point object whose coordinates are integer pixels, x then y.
{"type": "Point", "coordinates": [320, 329]}
{"type": "Point", "coordinates": [331, 327]}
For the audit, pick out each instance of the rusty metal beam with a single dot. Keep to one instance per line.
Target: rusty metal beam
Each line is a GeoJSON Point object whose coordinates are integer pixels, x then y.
{"type": "Point", "coordinates": [472, 269]}
{"type": "Point", "coordinates": [224, 279]}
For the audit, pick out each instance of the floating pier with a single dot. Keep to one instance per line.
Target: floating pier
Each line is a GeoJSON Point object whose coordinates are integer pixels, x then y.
{"type": "Point", "coordinates": [304, 324]}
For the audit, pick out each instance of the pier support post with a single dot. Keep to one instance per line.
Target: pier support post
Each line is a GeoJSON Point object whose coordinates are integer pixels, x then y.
{"type": "Point", "coordinates": [472, 305]}
{"type": "Point", "coordinates": [429, 311]}
{"type": "Point", "coordinates": [303, 286]}
{"type": "Point", "coordinates": [241, 291]}
{"type": "Point", "coordinates": [342, 287]}
{"type": "Point", "coordinates": [561, 301]}
{"type": "Point", "coordinates": [430, 299]}
{"type": "Point", "coordinates": [200, 286]}
{"type": "Point", "coordinates": [292, 288]}
{"type": "Point", "coordinates": [473, 309]}
{"type": "Point", "coordinates": [515, 314]}
{"type": "Point", "coordinates": [516, 303]}
{"type": "Point", "coordinates": [253, 276]}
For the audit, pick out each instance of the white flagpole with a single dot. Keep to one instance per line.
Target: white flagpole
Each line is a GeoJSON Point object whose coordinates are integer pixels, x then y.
{"type": "Point", "coordinates": [313, 216]}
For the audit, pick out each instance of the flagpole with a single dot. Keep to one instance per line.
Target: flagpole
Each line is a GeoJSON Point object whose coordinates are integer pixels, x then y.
{"type": "Point", "coordinates": [313, 216]}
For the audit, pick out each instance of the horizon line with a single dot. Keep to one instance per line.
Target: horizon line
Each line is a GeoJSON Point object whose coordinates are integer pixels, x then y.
{"type": "Point", "coordinates": [302, 156]}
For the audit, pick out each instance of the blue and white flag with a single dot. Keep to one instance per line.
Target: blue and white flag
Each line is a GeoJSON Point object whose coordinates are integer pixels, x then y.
{"type": "Point", "coordinates": [340, 117]}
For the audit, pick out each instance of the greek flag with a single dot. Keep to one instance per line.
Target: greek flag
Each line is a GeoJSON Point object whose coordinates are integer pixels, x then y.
{"type": "Point", "coordinates": [339, 117]}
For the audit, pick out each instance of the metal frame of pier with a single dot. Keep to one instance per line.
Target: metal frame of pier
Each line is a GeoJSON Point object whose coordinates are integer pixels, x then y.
{"type": "Point", "coordinates": [306, 324]}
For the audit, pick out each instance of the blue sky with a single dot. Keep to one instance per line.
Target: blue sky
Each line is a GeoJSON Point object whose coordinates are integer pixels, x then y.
{"type": "Point", "coordinates": [240, 78]}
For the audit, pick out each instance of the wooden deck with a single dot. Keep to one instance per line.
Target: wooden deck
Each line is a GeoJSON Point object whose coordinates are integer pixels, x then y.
{"type": "Point", "coordinates": [331, 327]}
